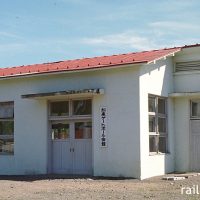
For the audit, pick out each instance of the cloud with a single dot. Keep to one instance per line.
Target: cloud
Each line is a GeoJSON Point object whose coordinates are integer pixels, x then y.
{"type": "Point", "coordinates": [175, 26]}
{"type": "Point", "coordinates": [9, 35]}
{"type": "Point", "coordinates": [125, 39]}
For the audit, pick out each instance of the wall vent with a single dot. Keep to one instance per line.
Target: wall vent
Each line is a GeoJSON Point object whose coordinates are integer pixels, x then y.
{"type": "Point", "coordinates": [187, 66]}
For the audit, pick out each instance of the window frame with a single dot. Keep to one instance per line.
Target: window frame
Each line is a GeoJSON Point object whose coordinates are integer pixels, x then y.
{"type": "Point", "coordinates": [158, 115]}
{"type": "Point", "coordinates": [7, 136]}
{"type": "Point", "coordinates": [193, 101]}
{"type": "Point", "coordinates": [70, 116]}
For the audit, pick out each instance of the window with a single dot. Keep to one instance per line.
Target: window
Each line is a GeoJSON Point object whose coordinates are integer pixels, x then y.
{"type": "Point", "coordinates": [82, 107]}
{"type": "Point", "coordinates": [60, 108]}
{"type": "Point", "coordinates": [6, 128]}
{"type": "Point", "coordinates": [157, 124]}
{"type": "Point", "coordinates": [195, 109]}
{"type": "Point", "coordinates": [83, 130]}
{"type": "Point", "coordinates": [60, 131]}
{"type": "Point", "coordinates": [64, 115]}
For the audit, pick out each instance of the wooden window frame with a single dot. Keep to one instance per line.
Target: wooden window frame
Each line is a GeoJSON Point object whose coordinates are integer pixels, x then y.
{"type": "Point", "coordinates": [193, 101]}
{"type": "Point", "coordinates": [8, 119]}
{"type": "Point", "coordinates": [157, 116]}
{"type": "Point", "coordinates": [70, 116]}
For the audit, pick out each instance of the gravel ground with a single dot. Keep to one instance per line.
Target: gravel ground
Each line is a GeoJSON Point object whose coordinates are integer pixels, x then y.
{"type": "Point", "coordinates": [64, 188]}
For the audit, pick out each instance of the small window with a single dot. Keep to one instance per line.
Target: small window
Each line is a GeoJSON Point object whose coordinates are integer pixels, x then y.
{"type": "Point", "coordinates": [6, 110]}
{"type": "Point", "coordinates": [152, 104]}
{"type": "Point", "coordinates": [6, 128]}
{"type": "Point", "coordinates": [83, 130]}
{"type": "Point", "coordinates": [82, 107]}
{"type": "Point", "coordinates": [157, 124]}
{"type": "Point", "coordinates": [161, 106]}
{"type": "Point", "coordinates": [60, 131]}
{"type": "Point", "coordinates": [161, 125]}
{"type": "Point", "coordinates": [59, 108]}
{"type": "Point", "coordinates": [162, 144]}
{"type": "Point", "coordinates": [152, 123]}
{"type": "Point", "coordinates": [153, 143]}
{"type": "Point", "coordinates": [195, 109]}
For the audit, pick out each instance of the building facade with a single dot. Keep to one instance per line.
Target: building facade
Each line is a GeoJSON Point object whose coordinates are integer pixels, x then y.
{"type": "Point", "coordinates": [130, 115]}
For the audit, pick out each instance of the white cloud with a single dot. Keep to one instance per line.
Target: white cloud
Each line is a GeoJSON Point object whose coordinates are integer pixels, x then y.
{"type": "Point", "coordinates": [8, 34]}
{"type": "Point", "coordinates": [126, 39]}
{"type": "Point", "coordinates": [175, 26]}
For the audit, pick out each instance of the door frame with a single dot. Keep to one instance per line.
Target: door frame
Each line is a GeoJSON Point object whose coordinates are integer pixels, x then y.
{"type": "Point", "coordinates": [69, 120]}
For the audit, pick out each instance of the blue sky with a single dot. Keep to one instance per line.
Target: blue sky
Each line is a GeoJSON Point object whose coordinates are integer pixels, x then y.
{"type": "Point", "coordinates": [40, 31]}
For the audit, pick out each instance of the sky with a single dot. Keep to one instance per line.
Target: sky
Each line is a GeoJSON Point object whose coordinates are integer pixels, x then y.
{"type": "Point", "coordinates": [38, 31]}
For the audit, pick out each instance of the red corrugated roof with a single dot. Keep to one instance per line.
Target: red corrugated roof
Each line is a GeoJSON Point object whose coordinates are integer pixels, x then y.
{"type": "Point", "coordinates": [89, 63]}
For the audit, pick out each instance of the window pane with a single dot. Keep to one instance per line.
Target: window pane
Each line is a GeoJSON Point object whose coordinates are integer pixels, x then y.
{"type": "Point", "coordinates": [7, 146]}
{"type": "Point", "coordinates": [82, 107]}
{"type": "Point", "coordinates": [163, 144]}
{"type": "Point", "coordinates": [83, 130]}
{"type": "Point", "coordinates": [161, 106]}
{"type": "Point", "coordinates": [7, 110]}
{"type": "Point", "coordinates": [161, 125]}
{"type": "Point", "coordinates": [152, 104]}
{"type": "Point", "coordinates": [153, 143]}
{"type": "Point", "coordinates": [60, 108]}
{"type": "Point", "coordinates": [6, 127]}
{"type": "Point", "coordinates": [196, 109]}
{"type": "Point", "coordinates": [60, 131]}
{"type": "Point", "coordinates": [152, 123]}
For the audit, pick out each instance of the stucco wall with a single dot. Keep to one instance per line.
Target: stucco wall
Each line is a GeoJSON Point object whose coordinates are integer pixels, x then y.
{"type": "Point", "coordinates": [184, 82]}
{"type": "Point", "coordinates": [187, 81]}
{"type": "Point", "coordinates": [120, 158]}
{"type": "Point", "coordinates": [156, 79]}
{"type": "Point", "coordinates": [182, 129]}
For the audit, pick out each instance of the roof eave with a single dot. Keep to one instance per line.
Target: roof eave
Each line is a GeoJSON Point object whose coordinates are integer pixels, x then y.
{"type": "Point", "coordinates": [112, 66]}
{"type": "Point", "coordinates": [164, 56]}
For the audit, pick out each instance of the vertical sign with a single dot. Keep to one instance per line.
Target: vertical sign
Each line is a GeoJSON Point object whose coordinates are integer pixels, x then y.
{"type": "Point", "coordinates": [103, 112]}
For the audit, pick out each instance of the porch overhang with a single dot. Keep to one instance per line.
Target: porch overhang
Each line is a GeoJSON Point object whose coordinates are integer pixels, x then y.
{"type": "Point", "coordinates": [66, 93]}
{"type": "Point", "coordinates": [184, 94]}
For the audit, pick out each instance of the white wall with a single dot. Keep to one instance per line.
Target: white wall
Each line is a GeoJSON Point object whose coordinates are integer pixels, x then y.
{"type": "Point", "coordinates": [184, 82]}
{"type": "Point", "coordinates": [156, 79]}
{"type": "Point", "coordinates": [182, 148]}
{"type": "Point", "coordinates": [187, 81]}
{"type": "Point", "coordinates": [120, 158]}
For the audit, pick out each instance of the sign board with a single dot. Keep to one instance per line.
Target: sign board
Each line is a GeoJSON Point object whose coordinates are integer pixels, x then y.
{"type": "Point", "coordinates": [103, 126]}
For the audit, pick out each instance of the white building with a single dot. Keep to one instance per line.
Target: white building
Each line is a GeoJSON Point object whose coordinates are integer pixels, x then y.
{"type": "Point", "coordinates": [130, 115]}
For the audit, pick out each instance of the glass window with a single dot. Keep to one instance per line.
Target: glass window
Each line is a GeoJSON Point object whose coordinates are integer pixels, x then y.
{"type": "Point", "coordinates": [7, 146]}
{"type": "Point", "coordinates": [82, 107]}
{"type": "Point", "coordinates": [83, 130]}
{"type": "Point", "coordinates": [157, 124]}
{"type": "Point", "coordinates": [6, 110]}
{"type": "Point", "coordinates": [161, 106]}
{"type": "Point", "coordinates": [60, 108]}
{"type": "Point", "coordinates": [161, 125]}
{"type": "Point", "coordinates": [153, 143]}
{"type": "Point", "coordinates": [195, 109]}
{"type": "Point", "coordinates": [162, 144]}
{"type": "Point", "coordinates": [152, 104]}
{"type": "Point", "coordinates": [152, 123]}
{"type": "Point", "coordinates": [60, 131]}
{"type": "Point", "coordinates": [7, 128]}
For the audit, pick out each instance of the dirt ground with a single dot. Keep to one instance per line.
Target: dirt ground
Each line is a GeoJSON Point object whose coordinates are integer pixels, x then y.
{"type": "Point", "coordinates": [64, 188]}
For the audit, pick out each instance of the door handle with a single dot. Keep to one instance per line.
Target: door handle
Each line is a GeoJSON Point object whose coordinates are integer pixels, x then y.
{"type": "Point", "coordinates": [71, 150]}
